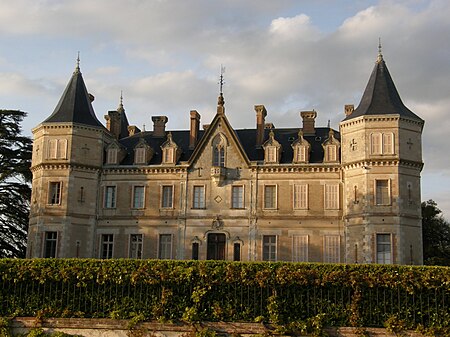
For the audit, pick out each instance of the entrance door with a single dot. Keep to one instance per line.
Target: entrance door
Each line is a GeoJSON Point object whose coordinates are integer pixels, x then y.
{"type": "Point", "coordinates": [216, 247]}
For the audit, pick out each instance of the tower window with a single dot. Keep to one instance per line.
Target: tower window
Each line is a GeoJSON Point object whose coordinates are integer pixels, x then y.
{"type": "Point", "coordinates": [382, 193]}
{"type": "Point", "coordinates": [50, 244]}
{"type": "Point", "coordinates": [384, 249]}
{"type": "Point", "coordinates": [54, 195]}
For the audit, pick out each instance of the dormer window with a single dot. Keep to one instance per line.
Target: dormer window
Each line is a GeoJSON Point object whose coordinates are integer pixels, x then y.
{"type": "Point", "coordinates": [219, 144]}
{"type": "Point", "coordinates": [330, 153]}
{"type": "Point", "coordinates": [272, 150]}
{"type": "Point", "coordinates": [111, 155]}
{"type": "Point", "coordinates": [170, 151]}
{"type": "Point", "coordinates": [301, 149]}
{"type": "Point", "coordinates": [139, 155]}
{"type": "Point", "coordinates": [331, 148]}
{"type": "Point", "coordinates": [142, 152]}
{"type": "Point", "coordinates": [114, 153]}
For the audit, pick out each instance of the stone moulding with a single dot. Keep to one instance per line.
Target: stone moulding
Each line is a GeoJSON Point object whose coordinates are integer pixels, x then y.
{"type": "Point", "coordinates": [117, 328]}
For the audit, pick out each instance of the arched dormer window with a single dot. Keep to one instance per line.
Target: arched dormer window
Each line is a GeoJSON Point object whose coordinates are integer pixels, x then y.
{"type": "Point", "coordinates": [331, 149]}
{"type": "Point", "coordinates": [143, 153]}
{"type": "Point", "coordinates": [170, 151]}
{"type": "Point", "coordinates": [272, 150]}
{"type": "Point", "coordinates": [301, 149]}
{"type": "Point", "coordinates": [219, 146]}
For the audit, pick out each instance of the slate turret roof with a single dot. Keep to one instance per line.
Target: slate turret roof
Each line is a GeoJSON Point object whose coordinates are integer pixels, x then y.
{"type": "Point", "coordinates": [75, 104]}
{"type": "Point", "coordinates": [381, 97]}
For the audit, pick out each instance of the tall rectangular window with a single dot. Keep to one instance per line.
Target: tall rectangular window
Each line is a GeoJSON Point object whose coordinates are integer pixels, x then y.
{"type": "Point", "coordinates": [199, 197]}
{"type": "Point", "coordinates": [50, 244]}
{"type": "Point", "coordinates": [382, 195]}
{"type": "Point", "coordinates": [106, 246]}
{"type": "Point", "coordinates": [165, 246]}
{"type": "Point", "coordinates": [331, 249]}
{"type": "Point", "coordinates": [376, 143]}
{"type": "Point", "coordinates": [111, 156]}
{"type": "Point", "coordinates": [388, 143]}
{"type": "Point", "coordinates": [269, 248]}
{"type": "Point", "coordinates": [167, 197]}
{"type": "Point", "coordinates": [237, 197]}
{"type": "Point", "coordinates": [331, 152]}
{"type": "Point", "coordinates": [195, 247]}
{"type": "Point", "coordinates": [384, 252]}
{"type": "Point", "coordinates": [168, 155]}
{"type": "Point", "coordinates": [135, 246]}
{"type": "Point", "coordinates": [332, 196]}
{"type": "Point", "coordinates": [301, 196]}
{"type": "Point", "coordinates": [138, 196]}
{"type": "Point", "coordinates": [139, 155]}
{"type": "Point", "coordinates": [300, 248]}
{"type": "Point", "coordinates": [236, 251]}
{"type": "Point", "coordinates": [54, 193]}
{"type": "Point", "coordinates": [300, 153]}
{"type": "Point", "coordinates": [270, 197]}
{"type": "Point", "coordinates": [110, 197]}
{"type": "Point", "coordinates": [271, 154]}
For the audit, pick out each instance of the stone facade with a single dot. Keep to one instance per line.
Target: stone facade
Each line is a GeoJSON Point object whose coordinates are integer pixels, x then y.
{"type": "Point", "coordinates": [303, 193]}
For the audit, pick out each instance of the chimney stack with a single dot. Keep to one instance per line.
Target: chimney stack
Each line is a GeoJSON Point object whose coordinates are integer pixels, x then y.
{"type": "Point", "coordinates": [261, 114]}
{"type": "Point", "coordinates": [348, 109]}
{"type": "Point", "coordinates": [113, 123]}
{"type": "Point", "coordinates": [195, 125]}
{"type": "Point", "coordinates": [159, 126]}
{"type": "Point", "coordinates": [308, 122]}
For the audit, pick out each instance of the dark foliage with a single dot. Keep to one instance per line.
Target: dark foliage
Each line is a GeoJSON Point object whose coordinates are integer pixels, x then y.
{"type": "Point", "coordinates": [15, 190]}
{"type": "Point", "coordinates": [436, 235]}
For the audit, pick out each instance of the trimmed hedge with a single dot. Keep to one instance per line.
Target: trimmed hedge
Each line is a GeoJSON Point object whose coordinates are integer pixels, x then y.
{"type": "Point", "coordinates": [288, 295]}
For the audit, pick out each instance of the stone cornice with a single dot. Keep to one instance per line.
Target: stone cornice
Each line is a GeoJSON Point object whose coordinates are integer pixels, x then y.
{"type": "Point", "coordinates": [296, 169]}
{"type": "Point", "coordinates": [63, 166]}
{"type": "Point", "coordinates": [143, 170]}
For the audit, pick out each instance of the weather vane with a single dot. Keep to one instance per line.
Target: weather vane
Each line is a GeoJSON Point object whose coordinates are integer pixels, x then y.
{"type": "Point", "coordinates": [221, 81]}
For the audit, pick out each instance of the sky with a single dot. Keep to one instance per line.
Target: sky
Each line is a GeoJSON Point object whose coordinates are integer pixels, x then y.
{"type": "Point", "coordinates": [290, 55]}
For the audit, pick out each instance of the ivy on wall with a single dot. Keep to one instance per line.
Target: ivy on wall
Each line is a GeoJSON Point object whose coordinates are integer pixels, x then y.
{"type": "Point", "coordinates": [290, 296]}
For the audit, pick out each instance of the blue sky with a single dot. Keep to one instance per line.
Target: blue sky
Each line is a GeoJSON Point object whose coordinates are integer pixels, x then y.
{"type": "Point", "coordinates": [288, 55]}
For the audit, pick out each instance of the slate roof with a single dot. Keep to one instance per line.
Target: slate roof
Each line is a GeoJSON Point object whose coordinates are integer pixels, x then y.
{"type": "Point", "coordinates": [381, 97]}
{"type": "Point", "coordinates": [247, 137]}
{"type": "Point", "coordinates": [75, 105]}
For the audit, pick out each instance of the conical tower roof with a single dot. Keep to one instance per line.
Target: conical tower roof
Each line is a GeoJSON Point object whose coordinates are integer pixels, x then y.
{"type": "Point", "coordinates": [75, 105]}
{"type": "Point", "coordinates": [381, 97]}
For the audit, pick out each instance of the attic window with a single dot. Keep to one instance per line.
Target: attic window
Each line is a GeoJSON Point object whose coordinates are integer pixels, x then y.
{"type": "Point", "coordinates": [300, 154]}
{"type": "Point", "coordinates": [111, 156]}
{"type": "Point", "coordinates": [271, 154]}
{"type": "Point", "coordinates": [139, 155]}
{"type": "Point", "coordinates": [330, 153]}
{"type": "Point", "coordinates": [168, 155]}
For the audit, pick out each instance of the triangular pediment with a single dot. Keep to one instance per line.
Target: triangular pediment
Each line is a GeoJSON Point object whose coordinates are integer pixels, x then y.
{"type": "Point", "coordinates": [221, 127]}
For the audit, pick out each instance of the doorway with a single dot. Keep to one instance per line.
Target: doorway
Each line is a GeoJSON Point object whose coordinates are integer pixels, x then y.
{"type": "Point", "coordinates": [216, 246]}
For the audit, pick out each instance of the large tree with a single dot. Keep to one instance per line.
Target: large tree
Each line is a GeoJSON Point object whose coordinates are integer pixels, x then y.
{"type": "Point", "coordinates": [15, 178]}
{"type": "Point", "coordinates": [436, 235]}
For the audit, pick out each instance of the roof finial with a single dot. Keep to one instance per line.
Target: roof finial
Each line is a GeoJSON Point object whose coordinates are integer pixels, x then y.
{"type": "Point", "coordinates": [77, 69]}
{"type": "Point", "coordinates": [220, 100]}
{"type": "Point", "coordinates": [221, 80]}
{"type": "Point", "coordinates": [328, 124]}
{"type": "Point", "coordinates": [380, 55]}
{"type": "Point", "coordinates": [120, 108]}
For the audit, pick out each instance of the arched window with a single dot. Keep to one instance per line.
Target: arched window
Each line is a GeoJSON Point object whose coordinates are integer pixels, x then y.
{"type": "Point", "coordinates": [219, 144]}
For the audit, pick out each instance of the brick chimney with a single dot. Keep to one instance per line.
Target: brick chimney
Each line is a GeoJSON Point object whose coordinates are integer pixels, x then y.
{"type": "Point", "coordinates": [261, 114]}
{"type": "Point", "coordinates": [308, 122]}
{"type": "Point", "coordinates": [159, 126]}
{"type": "Point", "coordinates": [195, 126]}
